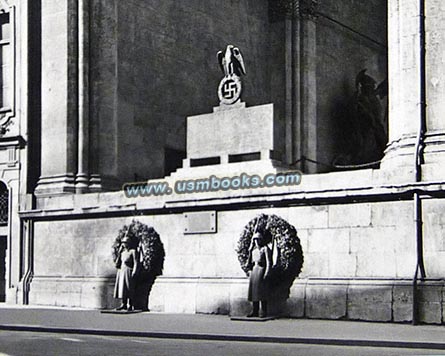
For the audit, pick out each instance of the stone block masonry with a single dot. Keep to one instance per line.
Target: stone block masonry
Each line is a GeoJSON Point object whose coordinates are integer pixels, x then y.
{"type": "Point", "coordinates": [358, 264]}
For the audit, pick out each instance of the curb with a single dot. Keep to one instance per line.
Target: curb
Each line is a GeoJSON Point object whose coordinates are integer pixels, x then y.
{"type": "Point", "coordinates": [226, 337]}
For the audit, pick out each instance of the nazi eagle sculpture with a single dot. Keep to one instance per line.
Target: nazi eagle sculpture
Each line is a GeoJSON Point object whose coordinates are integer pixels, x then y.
{"type": "Point", "coordinates": [231, 61]}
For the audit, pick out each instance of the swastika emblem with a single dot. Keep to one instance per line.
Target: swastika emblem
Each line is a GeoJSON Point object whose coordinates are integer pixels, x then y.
{"type": "Point", "coordinates": [229, 90]}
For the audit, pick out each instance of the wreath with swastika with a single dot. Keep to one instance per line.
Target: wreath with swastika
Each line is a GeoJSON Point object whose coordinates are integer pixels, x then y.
{"type": "Point", "coordinates": [288, 255]}
{"type": "Point", "coordinates": [148, 244]}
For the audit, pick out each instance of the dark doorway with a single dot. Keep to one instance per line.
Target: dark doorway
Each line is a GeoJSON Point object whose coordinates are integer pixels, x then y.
{"type": "Point", "coordinates": [4, 217]}
{"type": "Point", "coordinates": [3, 248]}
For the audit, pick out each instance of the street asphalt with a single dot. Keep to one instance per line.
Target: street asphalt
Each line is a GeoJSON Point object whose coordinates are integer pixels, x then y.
{"type": "Point", "coordinates": [221, 328]}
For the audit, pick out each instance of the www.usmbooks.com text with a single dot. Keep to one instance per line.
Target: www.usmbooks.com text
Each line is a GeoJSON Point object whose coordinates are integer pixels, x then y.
{"type": "Point", "coordinates": [211, 184]}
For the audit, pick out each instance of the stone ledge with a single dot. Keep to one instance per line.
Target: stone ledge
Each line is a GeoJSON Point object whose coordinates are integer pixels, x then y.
{"type": "Point", "coordinates": [341, 298]}
{"type": "Point", "coordinates": [117, 203]}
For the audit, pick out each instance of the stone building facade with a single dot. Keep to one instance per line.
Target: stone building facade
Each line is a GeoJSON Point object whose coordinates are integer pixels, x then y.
{"type": "Point", "coordinates": [96, 93]}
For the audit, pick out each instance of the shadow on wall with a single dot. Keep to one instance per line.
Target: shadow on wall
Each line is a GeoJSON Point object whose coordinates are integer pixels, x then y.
{"type": "Point", "coordinates": [280, 294]}
{"type": "Point", "coordinates": [106, 293]}
{"type": "Point", "coordinates": [343, 130]}
{"type": "Point", "coordinates": [143, 286]}
{"type": "Point", "coordinates": [281, 302]}
{"type": "Point", "coordinates": [144, 283]}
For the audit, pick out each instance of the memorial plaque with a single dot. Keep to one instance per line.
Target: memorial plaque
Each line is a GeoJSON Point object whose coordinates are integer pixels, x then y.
{"type": "Point", "coordinates": [203, 222]}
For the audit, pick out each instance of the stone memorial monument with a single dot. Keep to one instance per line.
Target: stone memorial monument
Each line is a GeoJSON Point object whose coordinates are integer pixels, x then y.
{"type": "Point", "coordinates": [234, 138]}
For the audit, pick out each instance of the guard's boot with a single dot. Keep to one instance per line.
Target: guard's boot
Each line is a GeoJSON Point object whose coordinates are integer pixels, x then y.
{"type": "Point", "coordinates": [263, 313]}
{"type": "Point", "coordinates": [256, 307]}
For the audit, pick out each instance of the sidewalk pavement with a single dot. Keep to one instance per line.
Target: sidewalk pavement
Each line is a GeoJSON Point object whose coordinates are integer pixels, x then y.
{"type": "Point", "coordinates": [220, 327]}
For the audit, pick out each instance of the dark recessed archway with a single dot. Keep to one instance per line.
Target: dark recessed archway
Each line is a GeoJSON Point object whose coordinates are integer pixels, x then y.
{"type": "Point", "coordinates": [4, 217]}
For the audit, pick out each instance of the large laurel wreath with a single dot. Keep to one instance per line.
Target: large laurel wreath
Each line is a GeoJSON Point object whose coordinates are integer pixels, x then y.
{"type": "Point", "coordinates": [289, 255]}
{"type": "Point", "coordinates": [149, 245]}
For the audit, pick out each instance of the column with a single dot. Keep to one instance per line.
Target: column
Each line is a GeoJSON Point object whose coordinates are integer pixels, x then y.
{"type": "Point", "coordinates": [306, 123]}
{"type": "Point", "coordinates": [434, 153]}
{"type": "Point", "coordinates": [404, 73]}
{"type": "Point", "coordinates": [82, 179]}
{"type": "Point", "coordinates": [59, 97]}
{"type": "Point", "coordinates": [300, 105]}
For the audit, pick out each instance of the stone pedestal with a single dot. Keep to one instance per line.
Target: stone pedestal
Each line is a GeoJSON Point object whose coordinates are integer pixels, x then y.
{"type": "Point", "coordinates": [231, 140]}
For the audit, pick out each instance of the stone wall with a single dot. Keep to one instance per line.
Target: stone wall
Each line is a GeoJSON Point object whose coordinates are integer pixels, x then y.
{"type": "Point", "coordinates": [359, 259]}
{"type": "Point", "coordinates": [154, 63]}
{"type": "Point", "coordinates": [103, 69]}
{"type": "Point", "coordinates": [147, 61]}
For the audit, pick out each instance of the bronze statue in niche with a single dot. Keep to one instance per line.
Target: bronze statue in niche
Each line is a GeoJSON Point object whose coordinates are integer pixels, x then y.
{"type": "Point", "coordinates": [365, 136]}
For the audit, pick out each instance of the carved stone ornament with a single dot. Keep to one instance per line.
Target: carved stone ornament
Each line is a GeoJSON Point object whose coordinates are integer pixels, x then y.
{"type": "Point", "coordinates": [5, 122]}
{"type": "Point", "coordinates": [232, 65]}
{"type": "Point", "coordinates": [4, 6]}
{"type": "Point", "coordinates": [7, 114]}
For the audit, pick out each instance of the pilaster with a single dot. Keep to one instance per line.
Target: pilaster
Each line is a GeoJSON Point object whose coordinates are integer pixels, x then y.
{"type": "Point", "coordinates": [404, 72]}
{"type": "Point", "coordinates": [59, 97]}
{"type": "Point", "coordinates": [82, 177]}
{"type": "Point", "coordinates": [65, 97]}
{"type": "Point", "coordinates": [408, 72]}
{"type": "Point", "coordinates": [434, 153]}
{"type": "Point", "coordinates": [300, 72]}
